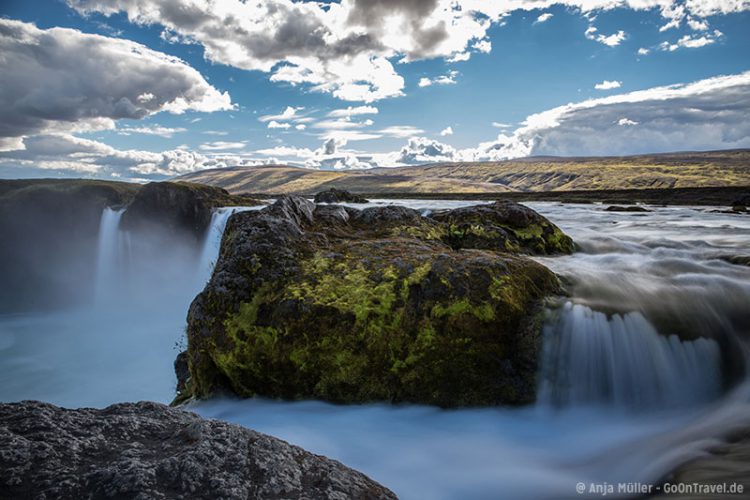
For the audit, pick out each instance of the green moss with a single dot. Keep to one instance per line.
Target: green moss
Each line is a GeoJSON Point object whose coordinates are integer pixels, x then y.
{"type": "Point", "coordinates": [483, 312]}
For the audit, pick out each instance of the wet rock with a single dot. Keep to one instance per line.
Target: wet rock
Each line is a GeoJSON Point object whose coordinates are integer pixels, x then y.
{"type": "Point", "coordinates": [334, 195]}
{"type": "Point", "coordinates": [503, 226]}
{"type": "Point", "coordinates": [354, 306]}
{"type": "Point", "coordinates": [148, 450]}
{"type": "Point", "coordinates": [723, 466]}
{"type": "Point", "coordinates": [629, 208]}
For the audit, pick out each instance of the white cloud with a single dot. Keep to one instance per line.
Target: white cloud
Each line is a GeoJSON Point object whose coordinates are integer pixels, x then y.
{"type": "Point", "coordinates": [608, 85]}
{"type": "Point", "coordinates": [643, 51]}
{"type": "Point", "coordinates": [300, 126]}
{"type": "Point", "coordinates": [446, 131]}
{"type": "Point", "coordinates": [707, 114]}
{"type": "Point", "coordinates": [39, 95]}
{"type": "Point", "coordinates": [64, 154]}
{"type": "Point", "coordinates": [165, 132]}
{"type": "Point", "coordinates": [447, 79]}
{"type": "Point", "coordinates": [353, 111]}
{"type": "Point", "coordinates": [612, 40]}
{"type": "Point", "coordinates": [543, 18]}
{"type": "Point", "coordinates": [278, 125]}
{"type": "Point", "coordinates": [222, 145]}
{"type": "Point", "coordinates": [289, 113]}
{"type": "Point", "coordinates": [483, 46]}
{"type": "Point", "coordinates": [626, 121]}
{"type": "Point", "coordinates": [401, 131]}
{"type": "Point", "coordinates": [501, 125]}
{"type": "Point", "coordinates": [692, 41]}
{"type": "Point", "coordinates": [341, 124]}
{"type": "Point", "coordinates": [345, 48]}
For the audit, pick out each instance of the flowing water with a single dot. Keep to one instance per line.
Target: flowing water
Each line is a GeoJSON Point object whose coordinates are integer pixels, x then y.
{"type": "Point", "coordinates": [621, 396]}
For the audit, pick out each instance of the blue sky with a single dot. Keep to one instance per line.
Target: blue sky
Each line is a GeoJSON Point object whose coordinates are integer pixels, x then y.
{"type": "Point", "coordinates": [432, 82]}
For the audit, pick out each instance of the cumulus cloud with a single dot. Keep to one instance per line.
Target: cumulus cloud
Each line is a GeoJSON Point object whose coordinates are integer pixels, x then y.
{"type": "Point", "coordinates": [612, 40]}
{"type": "Point", "coordinates": [608, 85]}
{"type": "Point", "coordinates": [707, 114]}
{"type": "Point", "coordinates": [289, 113]}
{"type": "Point", "coordinates": [692, 41]}
{"type": "Point", "coordinates": [543, 18]}
{"type": "Point", "coordinates": [447, 79]}
{"type": "Point", "coordinates": [101, 80]}
{"type": "Point", "coordinates": [345, 48]}
{"type": "Point", "coordinates": [423, 150]}
{"type": "Point", "coordinates": [64, 154]}
{"type": "Point", "coordinates": [278, 125]}
{"type": "Point", "coordinates": [446, 131]}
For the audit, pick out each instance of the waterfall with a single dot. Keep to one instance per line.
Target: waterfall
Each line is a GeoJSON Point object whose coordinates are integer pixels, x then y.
{"type": "Point", "coordinates": [109, 255]}
{"type": "Point", "coordinates": [621, 360]}
{"type": "Point", "coordinates": [212, 242]}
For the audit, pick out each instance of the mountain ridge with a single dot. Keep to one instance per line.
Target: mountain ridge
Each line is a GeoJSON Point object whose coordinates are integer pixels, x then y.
{"type": "Point", "coordinates": [530, 174]}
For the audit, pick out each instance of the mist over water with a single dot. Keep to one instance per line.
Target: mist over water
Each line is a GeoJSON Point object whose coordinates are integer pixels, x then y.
{"type": "Point", "coordinates": [622, 398]}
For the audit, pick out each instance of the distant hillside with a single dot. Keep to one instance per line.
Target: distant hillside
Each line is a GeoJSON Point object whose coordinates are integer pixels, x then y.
{"type": "Point", "coordinates": [669, 170]}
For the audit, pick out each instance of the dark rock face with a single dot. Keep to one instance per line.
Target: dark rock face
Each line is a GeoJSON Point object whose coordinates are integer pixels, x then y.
{"type": "Point", "coordinates": [352, 306]}
{"type": "Point", "coordinates": [148, 450]}
{"type": "Point", "coordinates": [176, 209]}
{"type": "Point", "coordinates": [503, 226]}
{"type": "Point", "coordinates": [334, 195]}
{"type": "Point", "coordinates": [629, 208]}
{"type": "Point", "coordinates": [49, 231]}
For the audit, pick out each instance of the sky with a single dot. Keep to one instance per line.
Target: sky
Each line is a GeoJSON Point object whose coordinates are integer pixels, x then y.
{"type": "Point", "coordinates": [150, 89]}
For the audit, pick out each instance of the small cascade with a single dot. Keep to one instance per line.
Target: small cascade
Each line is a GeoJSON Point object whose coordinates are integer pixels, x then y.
{"type": "Point", "coordinates": [109, 255]}
{"type": "Point", "coordinates": [212, 242]}
{"type": "Point", "coordinates": [621, 360]}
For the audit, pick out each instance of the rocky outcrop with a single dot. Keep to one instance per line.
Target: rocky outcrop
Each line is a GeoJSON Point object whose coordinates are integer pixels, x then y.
{"type": "Point", "coordinates": [352, 305]}
{"type": "Point", "coordinates": [334, 195]}
{"type": "Point", "coordinates": [503, 226]}
{"type": "Point", "coordinates": [148, 450]}
{"type": "Point", "coordinates": [50, 227]}
{"type": "Point", "coordinates": [177, 208]}
{"type": "Point", "coordinates": [629, 208]}
{"type": "Point", "coordinates": [49, 230]}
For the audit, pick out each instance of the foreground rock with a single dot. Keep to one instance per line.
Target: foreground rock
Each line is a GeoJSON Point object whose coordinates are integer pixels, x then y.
{"type": "Point", "coordinates": [350, 306]}
{"type": "Point", "coordinates": [148, 450]}
{"type": "Point", "coordinates": [334, 195]}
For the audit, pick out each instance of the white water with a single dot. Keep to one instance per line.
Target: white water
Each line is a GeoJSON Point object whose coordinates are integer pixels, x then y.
{"type": "Point", "coordinates": [109, 257]}
{"type": "Point", "coordinates": [212, 241]}
{"type": "Point", "coordinates": [624, 362]}
{"type": "Point", "coordinates": [648, 271]}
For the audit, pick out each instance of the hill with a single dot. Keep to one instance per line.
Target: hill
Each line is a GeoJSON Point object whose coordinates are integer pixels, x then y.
{"type": "Point", "coordinates": [533, 174]}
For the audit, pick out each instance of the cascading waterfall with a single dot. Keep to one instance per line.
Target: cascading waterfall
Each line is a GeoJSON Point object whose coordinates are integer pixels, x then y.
{"type": "Point", "coordinates": [109, 255]}
{"type": "Point", "coordinates": [212, 241]}
{"type": "Point", "coordinates": [621, 360]}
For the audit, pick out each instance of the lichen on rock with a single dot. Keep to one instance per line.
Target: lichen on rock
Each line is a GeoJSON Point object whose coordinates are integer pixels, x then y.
{"type": "Point", "coordinates": [355, 306]}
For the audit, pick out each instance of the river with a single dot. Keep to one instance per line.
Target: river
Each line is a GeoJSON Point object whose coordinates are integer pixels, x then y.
{"type": "Point", "coordinates": [621, 396]}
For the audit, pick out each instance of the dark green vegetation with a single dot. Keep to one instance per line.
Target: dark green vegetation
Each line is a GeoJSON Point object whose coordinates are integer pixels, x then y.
{"type": "Point", "coordinates": [49, 231]}
{"type": "Point", "coordinates": [534, 174]}
{"type": "Point", "coordinates": [354, 305]}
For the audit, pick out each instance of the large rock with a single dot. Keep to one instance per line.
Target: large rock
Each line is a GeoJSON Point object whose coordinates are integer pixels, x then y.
{"type": "Point", "coordinates": [147, 450]}
{"type": "Point", "coordinates": [334, 195]}
{"type": "Point", "coordinates": [503, 226]}
{"type": "Point", "coordinates": [176, 209]}
{"type": "Point", "coordinates": [352, 306]}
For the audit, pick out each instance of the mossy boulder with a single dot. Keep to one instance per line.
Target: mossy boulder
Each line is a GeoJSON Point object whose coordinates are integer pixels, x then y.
{"type": "Point", "coordinates": [503, 226]}
{"type": "Point", "coordinates": [334, 195]}
{"type": "Point", "coordinates": [353, 306]}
